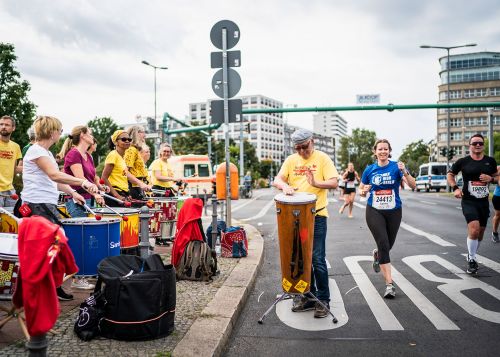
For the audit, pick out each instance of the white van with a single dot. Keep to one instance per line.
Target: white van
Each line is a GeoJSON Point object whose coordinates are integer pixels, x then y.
{"type": "Point", "coordinates": [196, 171]}
{"type": "Point", "coordinates": [432, 176]}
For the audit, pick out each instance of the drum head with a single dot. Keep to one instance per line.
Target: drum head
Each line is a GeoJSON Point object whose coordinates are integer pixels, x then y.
{"type": "Point", "coordinates": [121, 210]}
{"type": "Point", "coordinates": [8, 245]}
{"type": "Point", "coordinates": [296, 198]}
{"type": "Point", "coordinates": [86, 221]}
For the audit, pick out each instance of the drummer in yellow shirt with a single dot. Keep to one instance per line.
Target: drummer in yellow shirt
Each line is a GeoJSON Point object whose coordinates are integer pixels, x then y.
{"type": "Point", "coordinates": [162, 174]}
{"type": "Point", "coordinates": [311, 171]}
{"type": "Point", "coordinates": [134, 160]}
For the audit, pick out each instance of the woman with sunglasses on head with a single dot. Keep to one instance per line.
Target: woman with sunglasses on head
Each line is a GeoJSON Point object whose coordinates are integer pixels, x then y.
{"type": "Point", "coordinates": [478, 171]}
{"type": "Point", "coordinates": [134, 160]}
{"type": "Point", "coordinates": [384, 208]}
{"type": "Point", "coordinates": [162, 174]}
{"type": "Point", "coordinates": [115, 174]}
{"type": "Point", "coordinates": [42, 179]}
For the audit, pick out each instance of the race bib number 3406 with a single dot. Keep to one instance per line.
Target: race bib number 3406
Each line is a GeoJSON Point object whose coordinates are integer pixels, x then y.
{"type": "Point", "coordinates": [478, 189]}
{"type": "Point", "coordinates": [384, 199]}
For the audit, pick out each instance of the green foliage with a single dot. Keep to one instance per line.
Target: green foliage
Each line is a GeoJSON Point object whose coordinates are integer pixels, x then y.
{"type": "Point", "coordinates": [496, 146]}
{"type": "Point", "coordinates": [358, 148]}
{"type": "Point", "coordinates": [102, 128]}
{"type": "Point", "coordinates": [14, 95]}
{"type": "Point", "coordinates": [414, 155]}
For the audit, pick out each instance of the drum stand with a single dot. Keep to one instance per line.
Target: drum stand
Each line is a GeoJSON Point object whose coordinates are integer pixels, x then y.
{"type": "Point", "coordinates": [286, 296]}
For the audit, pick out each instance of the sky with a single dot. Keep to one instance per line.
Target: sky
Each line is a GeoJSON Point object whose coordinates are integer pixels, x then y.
{"type": "Point", "coordinates": [83, 57]}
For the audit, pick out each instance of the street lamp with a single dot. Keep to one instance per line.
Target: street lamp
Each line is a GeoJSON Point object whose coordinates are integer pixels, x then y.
{"type": "Point", "coordinates": [448, 68]}
{"type": "Point", "coordinates": [155, 68]}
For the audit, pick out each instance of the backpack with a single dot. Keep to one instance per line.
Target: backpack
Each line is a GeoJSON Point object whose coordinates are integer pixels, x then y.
{"type": "Point", "coordinates": [234, 243]}
{"type": "Point", "coordinates": [90, 315]}
{"type": "Point", "coordinates": [197, 262]}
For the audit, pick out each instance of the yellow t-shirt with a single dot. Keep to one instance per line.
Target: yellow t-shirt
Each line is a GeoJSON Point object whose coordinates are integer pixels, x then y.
{"type": "Point", "coordinates": [9, 154]}
{"type": "Point", "coordinates": [293, 171]}
{"type": "Point", "coordinates": [135, 163]}
{"type": "Point", "coordinates": [118, 176]}
{"type": "Point", "coordinates": [165, 170]}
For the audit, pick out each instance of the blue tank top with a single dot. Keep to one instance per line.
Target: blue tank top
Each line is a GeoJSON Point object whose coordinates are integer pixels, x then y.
{"type": "Point", "coordinates": [497, 191]}
{"type": "Point", "coordinates": [385, 181]}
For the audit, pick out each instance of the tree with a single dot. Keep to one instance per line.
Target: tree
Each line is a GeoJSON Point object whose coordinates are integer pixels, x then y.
{"type": "Point", "coordinates": [193, 142]}
{"type": "Point", "coordinates": [102, 129]}
{"type": "Point", "coordinates": [14, 95]}
{"type": "Point", "coordinates": [414, 155]}
{"type": "Point", "coordinates": [357, 148]}
{"type": "Point", "coordinates": [496, 146]}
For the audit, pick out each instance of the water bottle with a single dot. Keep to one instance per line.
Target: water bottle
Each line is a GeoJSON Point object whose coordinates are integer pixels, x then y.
{"type": "Point", "coordinates": [217, 246]}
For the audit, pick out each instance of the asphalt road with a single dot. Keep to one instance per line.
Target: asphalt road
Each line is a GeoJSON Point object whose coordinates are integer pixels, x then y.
{"type": "Point", "coordinates": [438, 311]}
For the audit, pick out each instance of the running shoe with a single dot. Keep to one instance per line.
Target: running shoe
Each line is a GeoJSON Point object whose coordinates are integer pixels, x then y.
{"type": "Point", "coordinates": [376, 265]}
{"type": "Point", "coordinates": [341, 210]}
{"type": "Point", "coordinates": [350, 216]}
{"type": "Point", "coordinates": [82, 284]}
{"type": "Point", "coordinates": [472, 266]}
{"type": "Point", "coordinates": [390, 291]}
{"type": "Point", "coordinates": [494, 237]}
{"type": "Point", "coordinates": [62, 295]}
{"type": "Point", "coordinates": [321, 311]}
{"type": "Point", "coordinates": [302, 303]}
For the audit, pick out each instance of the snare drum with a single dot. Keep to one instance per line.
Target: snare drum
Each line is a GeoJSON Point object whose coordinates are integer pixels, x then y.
{"type": "Point", "coordinates": [168, 207]}
{"type": "Point", "coordinates": [63, 198]}
{"type": "Point", "coordinates": [9, 264]}
{"type": "Point", "coordinates": [91, 241]}
{"type": "Point", "coordinates": [155, 222]}
{"type": "Point", "coordinates": [296, 236]}
{"type": "Point", "coordinates": [8, 224]}
{"type": "Point", "coordinates": [129, 230]}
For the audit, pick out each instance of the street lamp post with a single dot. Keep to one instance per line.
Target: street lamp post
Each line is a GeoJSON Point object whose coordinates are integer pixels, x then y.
{"type": "Point", "coordinates": [155, 68]}
{"type": "Point", "coordinates": [448, 68]}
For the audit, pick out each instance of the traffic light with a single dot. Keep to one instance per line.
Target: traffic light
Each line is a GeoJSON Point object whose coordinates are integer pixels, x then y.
{"type": "Point", "coordinates": [444, 151]}
{"type": "Point", "coordinates": [451, 153]}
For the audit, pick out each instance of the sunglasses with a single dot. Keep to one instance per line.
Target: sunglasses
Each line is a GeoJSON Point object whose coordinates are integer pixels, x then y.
{"type": "Point", "coordinates": [129, 140]}
{"type": "Point", "coordinates": [302, 147]}
{"type": "Point", "coordinates": [477, 143]}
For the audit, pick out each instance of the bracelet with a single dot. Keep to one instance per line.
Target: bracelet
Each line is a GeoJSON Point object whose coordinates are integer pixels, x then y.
{"type": "Point", "coordinates": [454, 188]}
{"type": "Point", "coordinates": [82, 184]}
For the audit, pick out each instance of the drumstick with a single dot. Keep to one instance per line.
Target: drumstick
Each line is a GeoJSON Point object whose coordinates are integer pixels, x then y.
{"type": "Point", "coordinates": [13, 196]}
{"type": "Point", "coordinates": [125, 203]}
{"type": "Point", "coordinates": [125, 218]}
{"type": "Point", "coordinates": [10, 214]}
{"type": "Point", "coordinates": [97, 217]}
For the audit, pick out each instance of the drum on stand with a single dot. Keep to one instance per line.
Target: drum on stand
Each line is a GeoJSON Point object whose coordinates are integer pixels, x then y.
{"type": "Point", "coordinates": [295, 214]}
{"type": "Point", "coordinates": [91, 241]}
{"type": "Point", "coordinates": [168, 207]}
{"type": "Point", "coordinates": [9, 265]}
{"type": "Point", "coordinates": [7, 223]}
{"type": "Point", "coordinates": [129, 229]}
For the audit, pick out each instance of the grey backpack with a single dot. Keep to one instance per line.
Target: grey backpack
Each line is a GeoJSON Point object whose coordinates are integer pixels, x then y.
{"type": "Point", "coordinates": [197, 262]}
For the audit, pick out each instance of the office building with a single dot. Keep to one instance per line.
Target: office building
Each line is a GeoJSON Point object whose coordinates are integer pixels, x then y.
{"type": "Point", "coordinates": [330, 125]}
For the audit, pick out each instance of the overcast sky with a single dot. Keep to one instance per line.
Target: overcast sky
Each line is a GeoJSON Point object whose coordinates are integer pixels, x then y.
{"type": "Point", "coordinates": [83, 58]}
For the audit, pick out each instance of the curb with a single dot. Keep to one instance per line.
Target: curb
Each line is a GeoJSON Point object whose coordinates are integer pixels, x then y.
{"type": "Point", "coordinates": [209, 334]}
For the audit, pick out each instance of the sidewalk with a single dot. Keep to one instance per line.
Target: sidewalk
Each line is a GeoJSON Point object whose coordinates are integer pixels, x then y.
{"type": "Point", "coordinates": [204, 317]}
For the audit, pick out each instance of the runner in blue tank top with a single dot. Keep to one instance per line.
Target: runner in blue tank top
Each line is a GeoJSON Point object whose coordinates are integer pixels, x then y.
{"type": "Point", "coordinates": [496, 206]}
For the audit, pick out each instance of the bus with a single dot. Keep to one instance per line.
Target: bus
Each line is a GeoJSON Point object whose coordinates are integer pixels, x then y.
{"type": "Point", "coordinates": [196, 171]}
{"type": "Point", "coordinates": [431, 176]}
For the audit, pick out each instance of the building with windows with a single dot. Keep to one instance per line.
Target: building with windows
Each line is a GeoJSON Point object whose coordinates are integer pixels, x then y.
{"type": "Point", "coordinates": [265, 130]}
{"type": "Point", "coordinates": [321, 142]}
{"type": "Point", "coordinates": [473, 77]}
{"type": "Point", "coordinates": [332, 126]}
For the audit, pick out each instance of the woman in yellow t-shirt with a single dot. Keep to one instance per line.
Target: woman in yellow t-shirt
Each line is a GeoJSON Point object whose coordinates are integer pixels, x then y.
{"type": "Point", "coordinates": [134, 161]}
{"type": "Point", "coordinates": [115, 173]}
{"type": "Point", "coordinates": [162, 175]}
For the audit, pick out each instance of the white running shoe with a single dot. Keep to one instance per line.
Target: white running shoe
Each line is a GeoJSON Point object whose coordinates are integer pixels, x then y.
{"type": "Point", "coordinates": [390, 291]}
{"type": "Point", "coordinates": [82, 284]}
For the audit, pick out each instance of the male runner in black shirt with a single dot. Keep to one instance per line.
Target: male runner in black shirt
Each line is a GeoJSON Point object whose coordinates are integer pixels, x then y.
{"type": "Point", "coordinates": [478, 170]}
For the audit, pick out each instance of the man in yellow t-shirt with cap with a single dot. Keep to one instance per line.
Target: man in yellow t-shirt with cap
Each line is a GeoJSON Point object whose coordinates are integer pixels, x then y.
{"type": "Point", "coordinates": [10, 154]}
{"type": "Point", "coordinates": [311, 171]}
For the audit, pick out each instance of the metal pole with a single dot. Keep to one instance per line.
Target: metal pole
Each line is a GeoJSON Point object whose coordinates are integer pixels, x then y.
{"type": "Point", "coordinates": [490, 132]}
{"type": "Point", "coordinates": [144, 229]}
{"type": "Point", "coordinates": [226, 125]}
{"type": "Point", "coordinates": [155, 95]}
{"type": "Point", "coordinates": [242, 179]}
{"type": "Point", "coordinates": [448, 132]}
{"type": "Point", "coordinates": [214, 223]}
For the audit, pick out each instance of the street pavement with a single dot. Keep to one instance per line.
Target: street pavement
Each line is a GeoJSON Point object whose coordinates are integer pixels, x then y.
{"type": "Point", "coordinates": [439, 310]}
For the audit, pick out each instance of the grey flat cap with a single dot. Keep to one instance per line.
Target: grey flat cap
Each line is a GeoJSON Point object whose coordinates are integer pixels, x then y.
{"type": "Point", "coordinates": [300, 136]}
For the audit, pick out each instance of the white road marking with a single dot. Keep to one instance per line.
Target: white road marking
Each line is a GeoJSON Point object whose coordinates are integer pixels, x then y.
{"type": "Point", "coordinates": [334, 200]}
{"type": "Point", "coordinates": [306, 321]}
{"type": "Point", "coordinates": [328, 264]}
{"type": "Point", "coordinates": [432, 237]}
{"type": "Point", "coordinates": [458, 208]}
{"type": "Point", "coordinates": [244, 204]}
{"type": "Point", "coordinates": [262, 213]}
{"type": "Point", "coordinates": [428, 202]}
{"type": "Point", "coordinates": [359, 205]}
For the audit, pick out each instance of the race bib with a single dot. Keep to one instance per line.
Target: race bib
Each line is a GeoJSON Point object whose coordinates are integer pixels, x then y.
{"type": "Point", "coordinates": [384, 199]}
{"type": "Point", "coordinates": [478, 189]}
{"type": "Point", "coordinates": [349, 184]}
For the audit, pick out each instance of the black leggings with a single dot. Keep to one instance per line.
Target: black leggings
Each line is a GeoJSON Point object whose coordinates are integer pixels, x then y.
{"type": "Point", "coordinates": [384, 225]}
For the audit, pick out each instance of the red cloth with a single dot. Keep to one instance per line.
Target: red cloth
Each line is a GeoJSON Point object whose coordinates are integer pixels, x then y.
{"type": "Point", "coordinates": [187, 227]}
{"type": "Point", "coordinates": [39, 277]}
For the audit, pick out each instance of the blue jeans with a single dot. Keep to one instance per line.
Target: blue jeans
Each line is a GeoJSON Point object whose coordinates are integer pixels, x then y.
{"type": "Point", "coordinates": [76, 210]}
{"type": "Point", "coordinates": [5, 200]}
{"type": "Point", "coordinates": [319, 275]}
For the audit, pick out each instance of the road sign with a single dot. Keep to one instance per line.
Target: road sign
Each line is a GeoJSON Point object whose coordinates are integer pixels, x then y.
{"type": "Point", "coordinates": [233, 83]}
{"type": "Point", "coordinates": [233, 34]}
{"type": "Point", "coordinates": [233, 59]}
{"type": "Point", "coordinates": [368, 98]}
{"type": "Point", "coordinates": [217, 110]}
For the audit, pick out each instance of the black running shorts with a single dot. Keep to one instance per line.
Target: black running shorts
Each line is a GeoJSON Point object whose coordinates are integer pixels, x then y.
{"type": "Point", "coordinates": [496, 202]}
{"type": "Point", "coordinates": [476, 211]}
